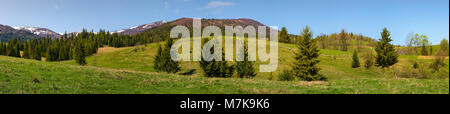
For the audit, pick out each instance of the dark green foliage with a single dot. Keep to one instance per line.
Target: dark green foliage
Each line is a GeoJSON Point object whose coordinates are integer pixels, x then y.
{"type": "Point", "coordinates": [216, 68]}
{"type": "Point", "coordinates": [245, 68]}
{"type": "Point", "coordinates": [343, 37]}
{"type": "Point", "coordinates": [59, 49]}
{"type": "Point", "coordinates": [415, 65]}
{"type": "Point", "coordinates": [26, 50]}
{"type": "Point", "coordinates": [163, 60]}
{"type": "Point", "coordinates": [80, 54]}
{"type": "Point", "coordinates": [35, 52]}
{"type": "Point", "coordinates": [13, 48]}
{"type": "Point", "coordinates": [283, 36]}
{"type": "Point", "coordinates": [52, 53]}
{"type": "Point", "coordinates": [355, 62]}
{"type": "Point", "coordinates": [386, 53]}
{"type": "Point", "coordinates": [2, 48]}
{"type": "Point", "coordinates": [286, 75]}
{"type": "Point", "coordinates": [158, 61]}
{"type": "Point", "coordinates": [307, 57]}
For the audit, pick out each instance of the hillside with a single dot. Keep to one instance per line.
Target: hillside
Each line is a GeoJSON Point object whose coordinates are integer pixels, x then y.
{"type": "Point", "coordinates": [158, 33]}
{"type": "Point", "coordinates": [34, 77]}
{"type": "Point", "coordinates": [41, 32]}
{"type": "Point", "coordinates": [129, 70]}
{"type": "Point", "coordinates": [7, 33]}
{"type": "Point", "coordinates": [140, 28]}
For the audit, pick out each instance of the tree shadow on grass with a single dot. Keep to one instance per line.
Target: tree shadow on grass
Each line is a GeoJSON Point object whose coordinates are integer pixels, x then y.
{"type": "Point", "coordinates": [190, 72]}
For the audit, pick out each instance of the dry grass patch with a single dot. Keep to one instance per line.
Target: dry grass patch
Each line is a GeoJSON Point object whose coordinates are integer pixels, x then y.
{"type": "Point", "coordinates": [431, 57]}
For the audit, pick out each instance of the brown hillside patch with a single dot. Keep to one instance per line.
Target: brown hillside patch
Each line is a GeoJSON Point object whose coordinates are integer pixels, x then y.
{"type": "Point", "coordinates": [107, 49]}
{"type": "Point", "coordinates": [431, 57]}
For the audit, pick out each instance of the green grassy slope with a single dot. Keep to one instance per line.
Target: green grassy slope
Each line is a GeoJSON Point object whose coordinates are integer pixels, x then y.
{"type": "Point", "coordinates": [30, 76]}
{"type": "Point", "coordinates": [129, 70]}
{"type": "Point", "coordinates": [335, 64]}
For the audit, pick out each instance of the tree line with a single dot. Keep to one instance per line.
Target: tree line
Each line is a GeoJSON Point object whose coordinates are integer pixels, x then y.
{"type": "Point", "coordinates": [343, 41]}
{"type": "Point", "coordinates": [73, 45]}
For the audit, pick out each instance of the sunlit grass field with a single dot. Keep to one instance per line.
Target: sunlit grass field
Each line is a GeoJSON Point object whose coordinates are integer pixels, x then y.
{"type": "Point", "coordinates": [130, 70]}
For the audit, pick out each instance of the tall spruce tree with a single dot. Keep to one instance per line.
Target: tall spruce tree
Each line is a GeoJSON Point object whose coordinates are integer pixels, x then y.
{"type": "Point", "coordinates": [283, 36]}
{"type": "Point", "coordinates": [245, 68]}
{"type": "Point", "coordinates": [26, 51]}
{"type": "Point", "coordinates": [35, 49]}
{"type": "Point", "coordinates": [80, 52]}
{"type": "Point", "coordinates": [158, 61]}
{"type": "Point", "coordinates": [171, 66]}
{"type": "Point", "coordinates": [2, 48]}
{"type": "Point", "coordinates": [163, 60]}
{"type": "Point", "coordinates": [13, 48]}
{"type": "Point", "coordinates": [386, 53]}
{"type": "Point", "coordinates": [307, 57]}
{"type": "Point", "coordinates": [216, 68]}
{"type": "Point", "coordinates": [355, 62]}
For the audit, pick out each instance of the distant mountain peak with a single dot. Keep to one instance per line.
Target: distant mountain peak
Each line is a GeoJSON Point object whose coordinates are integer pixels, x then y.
{"type": "Point", "coordinates": [140, 28]}
{"type": "Point", "coordinates": [42, 32]}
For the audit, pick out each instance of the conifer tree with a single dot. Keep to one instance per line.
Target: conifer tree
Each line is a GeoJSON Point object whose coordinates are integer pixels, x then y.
{"type": "Point", "coordinates": [163, 60]}
{"type": "Point", "coordinates": [13, 48]}
{"type": "Point", "coordinates": [158, 61]}
{"type": "Point", "coordinates": [216, 68]}
{"type": "Point", "coordinates": [36, 51]}
{"type": "Point", "coordinates": [343, 37]}
{"type": "Point", "coordinates": [52, 53]}
{"type": "Point", "coordinates": [171, 66]}
{"type": "Point", "coordinates": [26, 51]}
{"type": "Point", "coordinates": [245, 68]}
{"type": "Point", "coordinates": [2, 48]}
{"type": "Point", "coordinates": [283, 36]}
{"type": "Point", "coordinates": [386, 53]}
{"type": "Point", "coordinates": [355, 63]}
{"type": "Point", "coordinates": [307, 57]}
{"type": "Point", "coordinates": [80, 52]}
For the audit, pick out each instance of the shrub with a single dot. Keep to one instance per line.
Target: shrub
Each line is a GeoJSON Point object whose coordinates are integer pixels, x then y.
{"type": "Point", "coordinates": [245, 68]}
{"type": "Point", "coordinates": [355, 63]}
{"type": "Point", "coordinates": [286, 75]}
{"type": "Point", "coordinates": [415, 65]}
{"type": "Point", "coordinates": [216, 68]}
{"type": "Point", "coordinates": [437, 63]}
{"type": "Point", "coordinates": [163, 60]}
{"type": "Point", "coordinates": [369, 60]}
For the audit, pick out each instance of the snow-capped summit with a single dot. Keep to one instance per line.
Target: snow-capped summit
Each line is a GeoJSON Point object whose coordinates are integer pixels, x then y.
{"type": "Point", "coordinates": [140, 28]}
{"type": "Point", "coordinates": [42, 32]}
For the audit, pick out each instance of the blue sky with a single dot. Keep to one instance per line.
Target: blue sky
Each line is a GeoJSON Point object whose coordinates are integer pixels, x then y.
{"type": "Point", "coordinates": [367, 17]}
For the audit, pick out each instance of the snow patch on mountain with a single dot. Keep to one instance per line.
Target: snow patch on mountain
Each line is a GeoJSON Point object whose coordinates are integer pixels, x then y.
{"type": "Point", "coordinates": [140, 28]}
{"type": "Point", "coordinates": [43, 32]}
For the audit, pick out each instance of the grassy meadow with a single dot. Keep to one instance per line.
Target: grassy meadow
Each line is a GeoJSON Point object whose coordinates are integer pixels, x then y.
{"type": "Point", "coordinates": [129, 70]}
